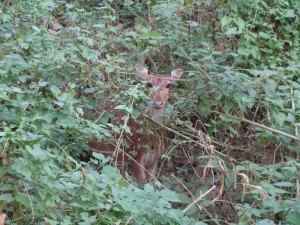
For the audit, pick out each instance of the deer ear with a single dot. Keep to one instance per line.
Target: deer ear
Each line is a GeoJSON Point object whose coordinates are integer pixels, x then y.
{"type": "Point", "coordinates": [141, 69]}
{"type": "Point", "coordinates": [176, 74]}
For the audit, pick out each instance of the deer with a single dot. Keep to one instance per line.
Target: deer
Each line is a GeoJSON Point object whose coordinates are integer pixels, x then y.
{"type": "Point", "coordinates": [143, 147]}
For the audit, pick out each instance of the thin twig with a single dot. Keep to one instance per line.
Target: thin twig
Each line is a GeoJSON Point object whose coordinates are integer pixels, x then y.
{"type": "Point", "coordinates": [191, 140]}
{"type": "Point", "coordinates": [198, 199]}
{"type": "Point", "coordinates": [259, 125]}
{"type": "Point", "coordinates": [191, 194]}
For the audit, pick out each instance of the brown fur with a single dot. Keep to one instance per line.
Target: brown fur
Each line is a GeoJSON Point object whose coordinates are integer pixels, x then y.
{"type": "Point", "coordinates": [146, 146]}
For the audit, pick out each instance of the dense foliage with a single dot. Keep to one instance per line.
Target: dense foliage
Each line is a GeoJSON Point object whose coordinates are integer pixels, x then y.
{"type": "Point", "coordinates": [233, 119]}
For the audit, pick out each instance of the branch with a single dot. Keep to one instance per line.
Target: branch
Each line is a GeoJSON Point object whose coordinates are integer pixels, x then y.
{"type": "Point", "coordinates": [259, 125]}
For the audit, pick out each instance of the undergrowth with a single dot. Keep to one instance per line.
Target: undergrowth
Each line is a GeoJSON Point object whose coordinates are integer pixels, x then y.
{"type": "Point", "coordinates": [232, 120]}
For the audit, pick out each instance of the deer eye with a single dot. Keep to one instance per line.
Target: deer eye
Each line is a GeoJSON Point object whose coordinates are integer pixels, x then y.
{"type": "Point", "coordinates": [168, 85]}
{"type": "Point", "coordinates": [149, 85]}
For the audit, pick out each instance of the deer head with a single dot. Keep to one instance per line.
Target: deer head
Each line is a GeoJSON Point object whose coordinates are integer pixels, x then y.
{"type": "Point", "coordinates": [161, 84]}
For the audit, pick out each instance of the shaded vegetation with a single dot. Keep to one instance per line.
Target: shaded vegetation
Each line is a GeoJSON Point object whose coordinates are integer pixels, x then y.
{"type": "Point", "coordinates": [232, 121]}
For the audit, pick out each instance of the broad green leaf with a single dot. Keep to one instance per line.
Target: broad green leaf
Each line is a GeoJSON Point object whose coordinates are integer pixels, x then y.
{"type": "Point", "coordinates": [240, 23]}
{"type": "Point", "coordinates": [233, 5]}
{"type": "Point", "coordinates": [229, 119]}
{"type": "Point", "coordinates": [55, 90]}
{"type": "Point", "coordinates": [155, 35]}
{"type": "Point", "coordinates": [6, 187]}
{"type": "Point", "coordinates": [279, 118]}
{"type": "Point", "coordinates": [264, 35]}
{"type": "Point", "coordinates": [297, 94]}
{"type": "Point", "coordinates": [169, 196]}
{"type": "Point", "coordinates": [48, 117]}
{"type": "Point", "coordinates": [265, 222]}
{"type": "Point", "coordinates": [284, 184]}
{"type": "Point", "coordinates": [42, 83]}
{"type": "Point", "coordinates": [79, 110]}
{"type": "Point", "coordinates": [226, 20]}
{"type": "Point", "coordinates": [232, 31]}
{"type": "Point", "coordinates": [101, 157]}
{"type": "Point", "coordinates": [23, 199]}
{"type": "Point", "coordinates": [293, 217]}
{"type": "Point", "coordinates": [37, 152]}
{"type": "Point", "coordinates": [189, 2]}
{"type": "Point", "coordinates": [17, 90]}
{"type": "Point", "coordinates": [35, 28]}
{"type": "Point", "coordinates": [6, 198]}
{"type": "Point", "coordinates": [290, 13]}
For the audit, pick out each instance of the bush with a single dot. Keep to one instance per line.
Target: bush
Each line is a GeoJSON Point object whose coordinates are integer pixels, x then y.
{"type": "Point", "coordinates": [238, 102]}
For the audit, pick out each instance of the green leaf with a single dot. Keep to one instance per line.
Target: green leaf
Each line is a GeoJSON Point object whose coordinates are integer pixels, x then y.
{"type": "Point", "coordinates": [17, 90]}
{"type": "Point", "coordinates": [19, 168]}
{"type": "Point", "coordinates": [6, 198]}
{"type": "Point", "coordinates": [23, 199]}
{"type": "Point", "coordinates": [279, 118]}
{"type": "Point", "coordinates": [37, 152]}
{"type": "Point", "coordinates": [79, 110]}
{"type": "Point", "coordinates": [264, 35]}
{"type": "Point", "coordinates": [101, 157]}
{"type": "Point", "coordinates": [184, 198]}
{"type": "Point", "coordinates": [48, 117]}
{"type": "Point", "coordinates": [290, 13]}
{"type": "Point", "coordinates": [226, 20]}
{"type": "Point", "coordinates": [99, 25]}
{"type": "Point", "coordinates": [128, 109]}
{"type": "Point", "coordinates": [273, 204]}
{"type": "Point", "coordinates": [229, 119]}
{"type": "Point", "coordinates": [293, 217]}
{"type": "Point", "coordinates": [297, 94]}
{"type": "Point", "coordinates": [156, 35]}
{"type": "Point", "coordinates": [35, 28]}
{"type": "Point", "coordinates": [189, 2]}
{"type": "Point", "coordinates": [169, 196]}
{"type": "Point", "coordinates": [232, 31]}
{"type": "Point", "coordinates": [233, 5]}
{"type": "Point", "coordinates": [240, 23]}
{"type": "Point", "coordinates": [42, 83]}
{"type": "Point", "coordinates": [265, 222]}
{"type": "Point", "coordinates": [55, 90]}
{"type": "Point", "coordinates": [284, 184]}
{"type": "Point", "coordinates": [6, 187]}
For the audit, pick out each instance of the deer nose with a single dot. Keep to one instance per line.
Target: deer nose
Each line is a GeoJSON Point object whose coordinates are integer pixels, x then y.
{"type": "Point", "coordinates": [158, 104]}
